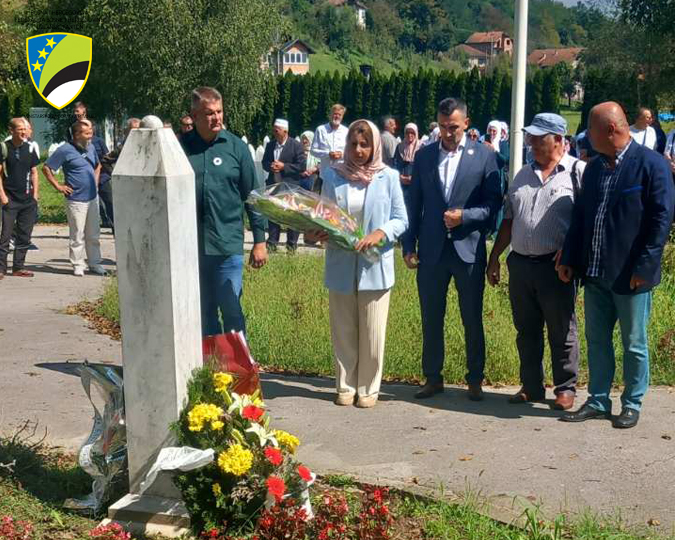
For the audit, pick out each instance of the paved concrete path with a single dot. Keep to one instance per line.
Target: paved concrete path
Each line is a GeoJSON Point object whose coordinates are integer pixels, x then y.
{"type": "Point", "coordinates": [511, 455]}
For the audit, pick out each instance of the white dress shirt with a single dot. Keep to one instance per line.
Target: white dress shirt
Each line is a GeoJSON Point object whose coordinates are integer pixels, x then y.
{"type": "Point", "coordinates": [278, 148]}
{"type": "Point", "coordinates": [326, 140]}
{"type": "Point", "coordinates": [448, 162]}
{"type": "Point", "coordinates": [645, 137]}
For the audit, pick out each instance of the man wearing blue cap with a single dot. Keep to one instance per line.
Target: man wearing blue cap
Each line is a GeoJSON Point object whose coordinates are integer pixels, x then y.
{"type": "Point", "coordinates": [538, 213]}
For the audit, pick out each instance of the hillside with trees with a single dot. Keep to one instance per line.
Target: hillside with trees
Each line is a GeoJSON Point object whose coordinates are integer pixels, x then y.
{"type": "Point", "coordinates": [401, 34]}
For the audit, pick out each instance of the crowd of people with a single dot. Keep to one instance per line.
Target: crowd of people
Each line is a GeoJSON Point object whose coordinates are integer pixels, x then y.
{"type": "Point", "coordinates": [603, 223]}
{"type": "Point", "coordinates": [595, 210]}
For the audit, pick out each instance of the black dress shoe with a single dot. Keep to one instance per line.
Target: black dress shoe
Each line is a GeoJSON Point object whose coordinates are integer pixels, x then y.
{"type": "Point", "coordinates": [627, 419]}
{"type": "Point", "coordinates": [586, 412]}
{"type": "Point", "coordinates": [475, 392]}
{"type": "Point", "coordinates": [429, 390]}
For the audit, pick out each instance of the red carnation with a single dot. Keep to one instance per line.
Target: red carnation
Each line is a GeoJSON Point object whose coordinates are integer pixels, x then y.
{"type": "Point", "coordinates": [252, 413]}
{"type": "Point", "coordinates": [304, 473]}
{"type": "Point", "coordinates": [274, 456]}
{"type": "Point", "coordinates": [276, 487]}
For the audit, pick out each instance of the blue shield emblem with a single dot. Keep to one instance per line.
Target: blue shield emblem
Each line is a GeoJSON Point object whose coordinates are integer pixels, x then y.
{"type": "Point", "coordinates": [59, 65]}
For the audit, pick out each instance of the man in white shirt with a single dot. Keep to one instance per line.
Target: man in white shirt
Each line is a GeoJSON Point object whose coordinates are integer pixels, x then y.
{"type": "Point", "coordinates": [330, 140]}
{"type": "Point", "coordinates": [389, 142]}
{"type": "Point", "coordinates": [642, 131]}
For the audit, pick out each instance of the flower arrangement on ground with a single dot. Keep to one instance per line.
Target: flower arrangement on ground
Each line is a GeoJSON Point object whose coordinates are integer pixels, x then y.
{"type": "Point", "coordinates": [254, 466]}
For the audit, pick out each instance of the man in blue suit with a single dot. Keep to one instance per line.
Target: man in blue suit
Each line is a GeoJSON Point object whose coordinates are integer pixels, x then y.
{"type": "Point", "coordinates": [614, 244]}
{"type": "Point", "coordinates": [452, 204]}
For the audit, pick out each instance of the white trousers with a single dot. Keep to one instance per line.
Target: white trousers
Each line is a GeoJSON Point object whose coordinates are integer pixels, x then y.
{"type": "Point", "coordinates": [84, 225]}
{"type": "Point", "coordinates": [358, 325]}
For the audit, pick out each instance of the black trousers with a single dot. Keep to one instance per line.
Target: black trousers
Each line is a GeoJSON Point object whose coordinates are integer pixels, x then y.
{"type": "Point", "coordinates": [539, 298]}
{"type": "Point", "coordinates": [18, 219]}
{"type": "Point", "coordinates": [105, 201]}
{"type": "Point", "coordinates": [274, 231]}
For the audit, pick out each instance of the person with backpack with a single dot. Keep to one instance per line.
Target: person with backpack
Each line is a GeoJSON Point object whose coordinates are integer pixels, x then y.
{"type": "Point", "coordinates": [538, 213]}
{"type": "Point", "coordinates": [19, 188]}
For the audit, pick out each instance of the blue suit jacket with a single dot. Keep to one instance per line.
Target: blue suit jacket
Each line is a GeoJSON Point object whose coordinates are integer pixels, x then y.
{"type": "Point", "coordinates": [637, 223]}
{"type": "Point", "coordinates": [477, 190]}
{"type": "Point", "coordinates": [383, 209]}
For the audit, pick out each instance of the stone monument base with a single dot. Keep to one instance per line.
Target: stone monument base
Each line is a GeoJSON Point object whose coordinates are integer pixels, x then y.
{"type": "Point", "coordinates": [149, 514]}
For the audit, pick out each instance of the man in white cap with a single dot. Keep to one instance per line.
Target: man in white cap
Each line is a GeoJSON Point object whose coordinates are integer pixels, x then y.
{"type": "Point", "coordinates": [539, 205]}
{"type": "Point", "coordinates": [285, 161]}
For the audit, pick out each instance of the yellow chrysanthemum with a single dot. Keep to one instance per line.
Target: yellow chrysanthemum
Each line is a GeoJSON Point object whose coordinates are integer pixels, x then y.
{"type": "Point", "coordinates": [286, 440]}
{"type": "Point", "coordinates": [221, 381]}
{"type": "Point", "coordinates": [202, 414]}
{"type": "Point", "coordinates": [217, 490]}
{"type": "Point", "coordinates": [217, 425]}
{"type": "Point", "coordinates": [236, 460]}
{"type": "Point", "coordinates": [258, 402]}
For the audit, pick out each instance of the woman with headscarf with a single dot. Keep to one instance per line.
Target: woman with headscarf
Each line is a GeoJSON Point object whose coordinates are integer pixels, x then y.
{"type": "Point", "coordinates": [308, 177]}
{"type": "Point", "coordinates": [496, 138]}
{"type": "Point", "coordinates": [405, 154]}
{"type": "Point", "coordinates": [358, 289]}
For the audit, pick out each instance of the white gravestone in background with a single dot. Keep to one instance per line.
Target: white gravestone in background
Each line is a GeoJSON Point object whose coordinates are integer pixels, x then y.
{"type": "Point", "coordinates": [158, 276]}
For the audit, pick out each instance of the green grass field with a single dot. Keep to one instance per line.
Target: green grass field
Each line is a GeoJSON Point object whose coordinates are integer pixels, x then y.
{"type": "Point", "coordinates": [286, 307]}
{"type": "Point", "coordinates": [51, 203]}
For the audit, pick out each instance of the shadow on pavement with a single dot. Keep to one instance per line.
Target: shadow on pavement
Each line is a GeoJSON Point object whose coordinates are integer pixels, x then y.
{"type": "Point", "coordinates": [452, 399]}
{"type": "Point", "coordinates": [68, 368]}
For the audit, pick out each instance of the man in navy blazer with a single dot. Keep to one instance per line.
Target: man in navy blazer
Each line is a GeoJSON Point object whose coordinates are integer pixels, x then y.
{"type": "Point", "coordinates": [452, 202]}
{"type": "Point", "coordinates": [614, 244]}
{"type": "Point", "coordinates": [284, 159]}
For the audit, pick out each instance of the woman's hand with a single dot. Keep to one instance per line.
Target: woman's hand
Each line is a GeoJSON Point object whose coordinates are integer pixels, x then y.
{"type": "Point", "coordinates": [316, 236]}
{"type": "Point", "coordinates": [406, 179]}
{"type": "Point", "coordinates": [372, 240]}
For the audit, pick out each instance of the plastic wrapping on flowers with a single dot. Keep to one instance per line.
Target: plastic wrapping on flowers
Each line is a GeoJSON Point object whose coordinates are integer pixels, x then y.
{"type": "Point", "coordinates": [104, 454]}
{"type": "Point", "coordinates": [301, 210]}
{"type": "Point", "coordinates": [254, 464]}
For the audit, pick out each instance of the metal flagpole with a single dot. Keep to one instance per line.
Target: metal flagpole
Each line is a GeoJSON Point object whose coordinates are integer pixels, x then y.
{"type": "Point", "coordinates": [519, 87]}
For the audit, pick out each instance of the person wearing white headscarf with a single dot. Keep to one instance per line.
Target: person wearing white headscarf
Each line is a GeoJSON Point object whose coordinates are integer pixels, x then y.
{"type": "Point", "coordinates": [359, 288]}
{"type": "Point", "coordinates": [405, 154]}
{"type": "Point", "coordinates": [497, 137]}
{"type": "Point", "coordinates": [494, 134]}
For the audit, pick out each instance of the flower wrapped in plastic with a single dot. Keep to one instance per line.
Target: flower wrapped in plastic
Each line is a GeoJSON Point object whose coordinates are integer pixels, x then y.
{"type": "Point", "coordinates": [301, 210]}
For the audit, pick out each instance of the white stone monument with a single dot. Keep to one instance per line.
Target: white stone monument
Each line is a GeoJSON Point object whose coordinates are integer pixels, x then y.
{"type": "Point", "coordinates": [158, 276]}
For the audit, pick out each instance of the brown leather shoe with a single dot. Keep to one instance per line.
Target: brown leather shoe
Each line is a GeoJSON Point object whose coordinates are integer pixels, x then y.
{"type": "Point", "coordinates": [475, 392]}
{"type": "Point", "coordinates": [22, 273]}
{"type": "Point", "coordinates": [429, 390]}
{"type": "Point", "coordinates": [522, 396]}
{"type": "Point", "coordinates": [564, 401]}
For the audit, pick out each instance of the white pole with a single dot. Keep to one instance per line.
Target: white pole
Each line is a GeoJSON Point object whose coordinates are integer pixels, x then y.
{"type": "Point", "coordinates": [519, 85]}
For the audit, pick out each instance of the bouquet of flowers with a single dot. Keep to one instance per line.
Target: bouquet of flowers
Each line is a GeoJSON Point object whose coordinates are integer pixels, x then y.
{"type": "Point", "coordinates": [301, 210]}
{"type": "Point", "coordinates": [253, 465]}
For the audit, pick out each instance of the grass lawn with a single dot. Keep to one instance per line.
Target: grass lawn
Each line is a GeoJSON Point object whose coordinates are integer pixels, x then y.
{"type": "Point", "coordinates": [51, 203]}
{"type": "Point", "coordinates": [43, 478]}
{"type": "Point", "coordinates": [573, 117]}
{"type": "Point", "coordinates": [286, 307]}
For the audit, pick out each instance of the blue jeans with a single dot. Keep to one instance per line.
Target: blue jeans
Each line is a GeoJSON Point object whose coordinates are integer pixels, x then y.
{"type": "Point", "coordinates": [603, 309]}
{"type": "Point", "coordinates": [220, 284]}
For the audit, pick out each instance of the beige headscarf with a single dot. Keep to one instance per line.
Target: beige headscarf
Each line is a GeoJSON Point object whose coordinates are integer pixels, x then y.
{"type": "Point", "coordinates": [362, 174]}
{"type": "Point", "coordinates": [408, 150]}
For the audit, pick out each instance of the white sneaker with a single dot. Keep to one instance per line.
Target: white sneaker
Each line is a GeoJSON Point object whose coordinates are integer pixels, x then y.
{"type": "Point", "coordinates": [79, 272]}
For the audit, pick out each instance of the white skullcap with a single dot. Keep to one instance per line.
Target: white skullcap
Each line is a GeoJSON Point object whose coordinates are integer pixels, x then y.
{"type": "Point", "coordinates": [280, 122]}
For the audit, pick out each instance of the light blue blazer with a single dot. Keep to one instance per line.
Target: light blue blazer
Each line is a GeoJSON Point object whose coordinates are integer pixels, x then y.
{"type": "Point", "coordinates": [384, 209]}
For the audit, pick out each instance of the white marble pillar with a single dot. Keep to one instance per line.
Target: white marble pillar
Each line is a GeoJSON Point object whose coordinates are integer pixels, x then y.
{"type": "Point", "coordinates": [158, 276]}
